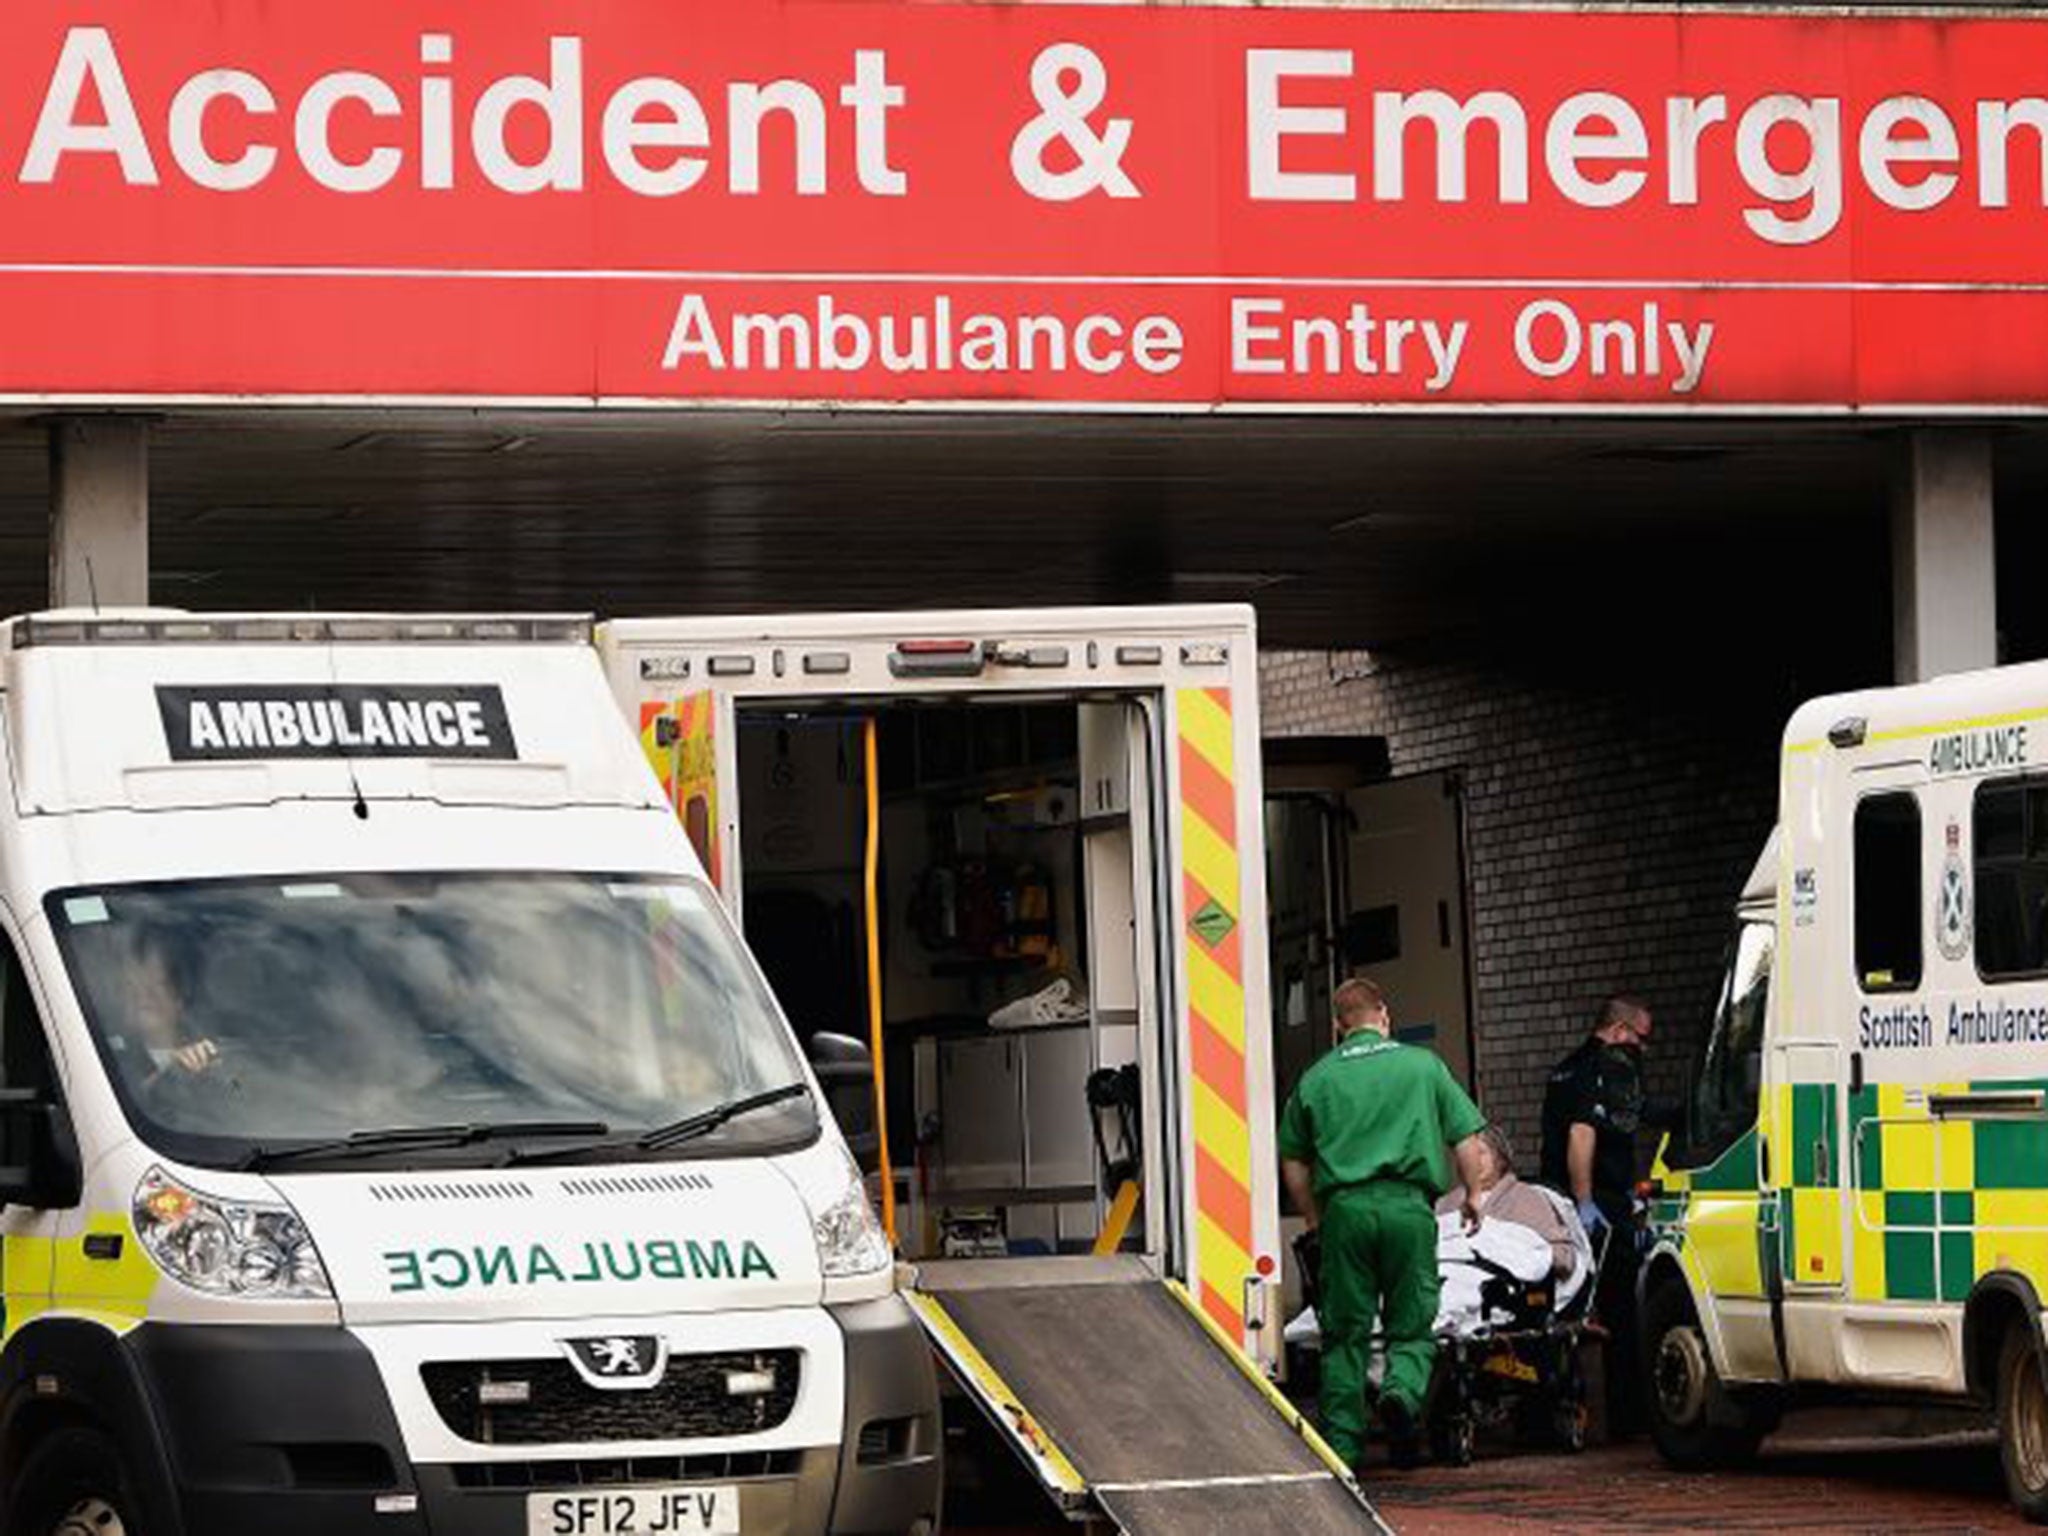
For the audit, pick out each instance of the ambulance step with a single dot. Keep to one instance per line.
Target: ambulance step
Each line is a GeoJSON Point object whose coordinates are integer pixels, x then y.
{"type": "Point", "coordinates": [1115, 1391]}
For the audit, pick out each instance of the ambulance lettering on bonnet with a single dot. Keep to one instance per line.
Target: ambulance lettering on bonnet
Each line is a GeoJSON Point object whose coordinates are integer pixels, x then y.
{"type": "Point", "coordinates": [245, 722]}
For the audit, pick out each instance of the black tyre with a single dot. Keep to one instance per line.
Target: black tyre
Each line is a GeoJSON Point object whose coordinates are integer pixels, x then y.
{"type": "Point", "coordinates": [1568, 1408]}
{"type": "Point", "coordinates": [1693, 1421]}
{"type": "Point", "coordinates": [1451, 1440]}
{"type": "Point", "coordinates": [73, 1484]}
{"type": "Point", "coordinates": [2023, 1423]}
{"type": "Point", "coordinates": [1568, 1427]}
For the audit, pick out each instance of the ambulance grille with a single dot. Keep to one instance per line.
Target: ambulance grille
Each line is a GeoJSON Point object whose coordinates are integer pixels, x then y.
{"type": "Point", "coordinates": [694, 1400]}
{"type": "Point", "coordinates": [597, 1471]}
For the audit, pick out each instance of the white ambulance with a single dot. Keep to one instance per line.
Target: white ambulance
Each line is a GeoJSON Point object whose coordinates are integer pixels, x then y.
{"type": "Point", "coordinates": [397, 1137]}
{"type": "Point", "coordinates": [1857, 1201]}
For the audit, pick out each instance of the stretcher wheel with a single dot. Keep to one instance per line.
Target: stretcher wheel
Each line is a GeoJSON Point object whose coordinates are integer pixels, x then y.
{"type": "Point", "coordinates": [1568, 1426]}
{"type": "Point", "coordinates": [1451, 1440]}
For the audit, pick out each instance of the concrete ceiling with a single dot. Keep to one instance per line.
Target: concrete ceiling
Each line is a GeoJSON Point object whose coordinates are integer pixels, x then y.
{"type": "Point", "coordinates": [1346, 531]}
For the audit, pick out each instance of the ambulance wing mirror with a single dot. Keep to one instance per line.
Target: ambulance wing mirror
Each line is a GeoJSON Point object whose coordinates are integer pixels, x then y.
{"type": "Point", "coordinates": [846, 1073]}
{"type": "Point", "coordinates": [39, 1165]}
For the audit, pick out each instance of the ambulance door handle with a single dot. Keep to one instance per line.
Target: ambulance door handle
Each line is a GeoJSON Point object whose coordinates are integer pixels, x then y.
{"type": "Point", "coordinates": [1820, 1162]}
{"type": "Point", "coordinates": [1855, 1073]}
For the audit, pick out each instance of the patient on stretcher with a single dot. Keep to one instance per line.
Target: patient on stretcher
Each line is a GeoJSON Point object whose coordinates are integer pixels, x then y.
{"type": "Point", "coordinates": [1525, 1232]}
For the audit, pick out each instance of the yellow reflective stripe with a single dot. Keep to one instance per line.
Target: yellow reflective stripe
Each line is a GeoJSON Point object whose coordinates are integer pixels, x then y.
{"type": "Point", "coordinates": [1721, 1228]}
{"type": "Point", "coordinates": [1935, 728]}
{"type": "Point", "coordinates": [1817, 1225]}
{"type": "Point", "coordinates": [1866, 1280]}
{"type": "Point", "coordinates": [1205, 726]}
{"type": "Point", "coordinates": [1215, 996]}
{"type": "Point", "coordinates": [1958, 1155]}
{"type": "Point", "coordinates": [1212, 861]}
{"type": "Point", "coordinates": [1781, 1137]}
{"type": "Point", "coordinates": [1052, 1461]}
{"type": "Point", "coordinates": [1223, 1264]}
{"type": "Point", "coordinates": [1222, 1133]}
{"type": "Point", "coordinates": [116, 1323]}
{"type": "Point", "coordinates": [1975, 723]}
{"type": "Point", "coordinates": [1250, 1369]}
{"type": "Point", "coordinates": [122, 1286]}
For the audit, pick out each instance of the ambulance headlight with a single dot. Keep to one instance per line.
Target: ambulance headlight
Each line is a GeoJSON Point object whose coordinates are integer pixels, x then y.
{"type": "Point", "coordinates": [850, 1240]}
{"type": "Point", "coordinates": [246, 1248]}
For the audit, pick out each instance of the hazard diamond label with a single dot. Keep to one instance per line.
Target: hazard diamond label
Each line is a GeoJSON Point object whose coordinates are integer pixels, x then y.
{"type": "Point", "coordinates": [1212, 924]}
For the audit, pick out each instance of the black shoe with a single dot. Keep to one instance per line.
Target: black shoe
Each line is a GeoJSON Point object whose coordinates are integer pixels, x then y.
{"type": "Point", "coordinates": [1404, 1446]}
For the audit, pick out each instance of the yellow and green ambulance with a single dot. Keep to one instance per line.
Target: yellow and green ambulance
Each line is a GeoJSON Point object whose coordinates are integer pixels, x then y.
{"type": "Point", "coordinates": [1857, 1199]}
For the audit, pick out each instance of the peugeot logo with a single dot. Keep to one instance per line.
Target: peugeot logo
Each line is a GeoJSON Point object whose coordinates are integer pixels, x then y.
{"type": "Point", "coordinates": [616, 1357]}
{"type": "Point", "coordinates": [617, 1360]}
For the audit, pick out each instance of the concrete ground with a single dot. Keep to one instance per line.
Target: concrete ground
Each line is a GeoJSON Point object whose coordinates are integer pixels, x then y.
{"type": "Point", "coordinates": [1819, 1484]}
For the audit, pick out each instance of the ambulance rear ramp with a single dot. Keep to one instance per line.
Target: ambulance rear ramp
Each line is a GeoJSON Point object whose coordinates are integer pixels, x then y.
{"type": "Point", "coordinates": [1127, 1406]}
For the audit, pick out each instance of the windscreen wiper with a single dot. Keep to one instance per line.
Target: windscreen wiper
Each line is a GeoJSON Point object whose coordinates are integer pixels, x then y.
{"type": "Point", "coordinates": [405, 1138]}
{"type": "Point", "coordinates": [673, 1134]}
{"type": "Point", "coordinates": [690, 1127]}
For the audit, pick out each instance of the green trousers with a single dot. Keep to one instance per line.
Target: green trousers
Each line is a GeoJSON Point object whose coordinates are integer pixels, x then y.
{"type": "Point", "coordinates": [1379, 1265]}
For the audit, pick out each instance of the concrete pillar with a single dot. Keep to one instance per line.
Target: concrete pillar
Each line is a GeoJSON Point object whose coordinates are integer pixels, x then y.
{"type": "Point", "coordinates": [1944, 557]}
{"type": "Point", "coordinates": [99, 512]}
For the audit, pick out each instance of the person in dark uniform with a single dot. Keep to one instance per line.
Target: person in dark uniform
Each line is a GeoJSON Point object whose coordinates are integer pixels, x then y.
{"type": "Point", "coordinates": [1362, 1142]}
{"type": "Point", "coordinates": [1592, 1109]}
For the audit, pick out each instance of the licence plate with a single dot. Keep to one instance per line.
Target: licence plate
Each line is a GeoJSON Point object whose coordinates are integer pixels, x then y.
{"type": "Point", "coordinates": [670, 1510]}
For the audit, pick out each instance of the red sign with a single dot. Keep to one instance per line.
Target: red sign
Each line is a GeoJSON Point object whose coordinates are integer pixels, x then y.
{"type": "Point", "coordinates": [816, 201]}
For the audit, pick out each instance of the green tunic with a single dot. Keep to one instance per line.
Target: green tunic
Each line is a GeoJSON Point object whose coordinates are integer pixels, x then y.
{"type": "Point", "coordinates": [1374, 1110]}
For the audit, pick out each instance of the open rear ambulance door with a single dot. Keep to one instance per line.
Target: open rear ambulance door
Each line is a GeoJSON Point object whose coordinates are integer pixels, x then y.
{"type": "Point", "coordinates": [1127, 1399]}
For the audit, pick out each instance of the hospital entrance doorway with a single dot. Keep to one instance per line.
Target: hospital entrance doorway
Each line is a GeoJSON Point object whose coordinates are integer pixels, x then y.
{"type": "Point", "coordinates": [1365, 879]}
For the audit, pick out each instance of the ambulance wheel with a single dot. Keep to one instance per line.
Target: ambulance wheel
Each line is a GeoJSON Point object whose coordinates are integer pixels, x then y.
{"type": "Point", "coordinates": [2023, 1423]}
{"type": "Point", "coordinates": [73, 1485]}
{"type": "Point", "coordinates": [1692, 1420]}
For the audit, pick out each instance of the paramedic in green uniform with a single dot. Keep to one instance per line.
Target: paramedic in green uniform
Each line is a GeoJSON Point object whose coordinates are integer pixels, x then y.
{"type": "Point", "coordinates": [1362, 1150]}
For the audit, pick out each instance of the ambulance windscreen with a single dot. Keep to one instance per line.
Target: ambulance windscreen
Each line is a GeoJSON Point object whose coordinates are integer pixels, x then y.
{"type": "Point", "coordinates": [238, 1018]}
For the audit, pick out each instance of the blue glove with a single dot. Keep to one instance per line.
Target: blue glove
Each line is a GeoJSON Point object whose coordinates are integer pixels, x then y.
{"type": "Point", "coordinates": [1591, 1218]}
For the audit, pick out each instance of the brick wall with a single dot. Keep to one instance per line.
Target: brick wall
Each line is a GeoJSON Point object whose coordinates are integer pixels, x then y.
{"type": "Point", "coordinates": [1611, 816]}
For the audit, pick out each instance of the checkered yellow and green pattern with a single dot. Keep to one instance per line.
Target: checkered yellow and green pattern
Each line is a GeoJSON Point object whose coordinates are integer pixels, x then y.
{"type": "Point", "coordinates": [1939, 1202]}
{"type": "Point", "coordinates": [1943, 1201]}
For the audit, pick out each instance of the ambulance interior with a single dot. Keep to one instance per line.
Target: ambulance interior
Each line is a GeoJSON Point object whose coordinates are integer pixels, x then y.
{"type": "Point", "coordinates": [1008, 902]}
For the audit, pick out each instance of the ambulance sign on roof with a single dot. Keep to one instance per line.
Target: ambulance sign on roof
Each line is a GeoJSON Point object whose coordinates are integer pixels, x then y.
{"type": "Point", "coordinates": [1120, 206]}
{"type": "Point", "coordinates": [289, 720]}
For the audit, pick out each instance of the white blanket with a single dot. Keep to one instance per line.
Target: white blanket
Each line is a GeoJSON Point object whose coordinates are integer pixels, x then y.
{"type": "Point", "coordinates": [1509, 1244]}
{"type": "Point", "coordinates": [1514, 1247]}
